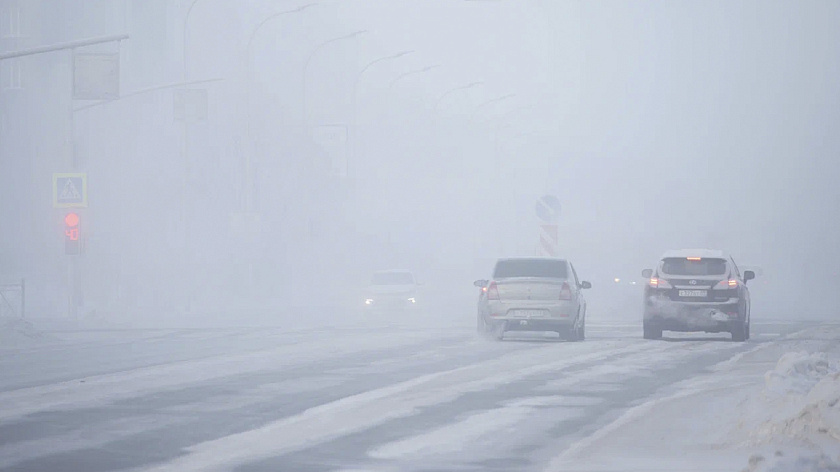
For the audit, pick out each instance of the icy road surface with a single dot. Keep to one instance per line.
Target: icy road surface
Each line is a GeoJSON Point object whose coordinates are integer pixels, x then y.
{"type": "Point", "coordinates": [402, 399]}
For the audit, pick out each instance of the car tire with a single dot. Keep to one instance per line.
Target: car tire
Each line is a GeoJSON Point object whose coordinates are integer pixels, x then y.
{"type": "Point", "coordinates": [739, 332]}
{"type": "Point", "coordinates": [499, 335]}
{"type": "Point", "coordinates": [652, 331]}
{"type": "Point", "coordinates": [574, 334]}
{"type": "Point", "coordinates": [485, 330]}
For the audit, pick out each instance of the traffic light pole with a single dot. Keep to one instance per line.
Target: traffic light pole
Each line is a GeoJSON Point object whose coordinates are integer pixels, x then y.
{"type": "Point", "coordinates": [74, 269]}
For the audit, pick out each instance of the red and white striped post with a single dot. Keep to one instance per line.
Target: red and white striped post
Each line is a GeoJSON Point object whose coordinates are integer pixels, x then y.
{"type": "Point", "coordinates": [548, 212]}
{"type": "Point", "coordinates": [549, 243]}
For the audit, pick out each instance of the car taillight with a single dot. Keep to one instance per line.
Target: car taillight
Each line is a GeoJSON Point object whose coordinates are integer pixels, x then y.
{"type": "Point", "coordinates": [656, 282]}
{"type": "Point", "coordinates": [726, 284]}
{"type": "Point", "coordinates": [493, 291]}
{"type": "Point", "coordinates": [565, 292]}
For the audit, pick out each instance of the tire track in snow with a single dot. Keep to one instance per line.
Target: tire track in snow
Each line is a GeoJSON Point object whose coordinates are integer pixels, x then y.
{"type": "Point", "coordinates": [366, 410]}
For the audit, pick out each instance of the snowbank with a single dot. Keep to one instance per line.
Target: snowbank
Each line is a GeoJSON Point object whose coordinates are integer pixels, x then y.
{"type": "Point", "coordinates": [799, 409]}
{"type": "Point", "coordinates": [800, 463]}
{"type": "Point", "coordinates": [15, 332]}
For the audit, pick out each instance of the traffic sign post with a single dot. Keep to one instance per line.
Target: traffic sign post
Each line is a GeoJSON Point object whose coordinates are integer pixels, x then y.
{"type": "Point", "coordinates": [548, 209]}
{"type": "Point", "coordinates": [549, 243]}
{"type": "Point", "coordinates": [548, 212]}
{"type": "Point", "coordinates": [70, 190]}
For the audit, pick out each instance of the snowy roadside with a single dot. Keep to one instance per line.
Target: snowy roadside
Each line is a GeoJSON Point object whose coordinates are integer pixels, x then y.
{"type": "Point", "coordinates": [773, 408]}
{"type": "Point", "coordinates": [16, 333]}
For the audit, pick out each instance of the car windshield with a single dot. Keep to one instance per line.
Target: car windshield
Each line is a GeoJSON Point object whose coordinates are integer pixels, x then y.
{"type": "Point", "coordinates": [392, 278]}
{"type": "Point", "coordinates": [693, 267]}
{"type": "Point", "coordinates": [530, 268]}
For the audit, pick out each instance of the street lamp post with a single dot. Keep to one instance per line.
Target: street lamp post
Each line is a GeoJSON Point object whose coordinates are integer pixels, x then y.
{"type": "Point", "coordinates": [248, 111]}
{"type": "Point", "coordinates": [492, 101]}
{"type": "Point", "coordinates": [186, 31]}
{"type": "Point", "coordinates": [314, 52]}
{"type": "Point", "coordinates": [185, 158]}
{"type": "Point", "coordinates": [412, 72]}
{"type": "Point", "coordinates": [456, 89]}
{"type": "Point", "coordinates": [355, 127]}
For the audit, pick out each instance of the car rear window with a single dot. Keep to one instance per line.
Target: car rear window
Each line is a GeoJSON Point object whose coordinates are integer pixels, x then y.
{"type": "Point", "coordinates": [530, 268]}
{"type": "Point", "coordinates": [393, 278]}
{"type": "Point", "coordinates": [701, 267]}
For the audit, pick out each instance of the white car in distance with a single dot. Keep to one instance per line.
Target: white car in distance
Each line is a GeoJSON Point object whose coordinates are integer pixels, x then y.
{"type": "Point", "coordinates": [391, 291]}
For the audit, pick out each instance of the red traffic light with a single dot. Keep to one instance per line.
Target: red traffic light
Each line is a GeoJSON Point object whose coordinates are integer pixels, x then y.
{"type": "Point", "coordinates": [71, 219]}
{"type": "Point", "coordinates": [72, 231]}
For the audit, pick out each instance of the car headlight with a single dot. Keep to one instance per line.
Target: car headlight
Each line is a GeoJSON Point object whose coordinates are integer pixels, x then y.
{"type": "Point", "coordinates": [368, 301]}
{"type": "Point", "coordinates": [412, 300]}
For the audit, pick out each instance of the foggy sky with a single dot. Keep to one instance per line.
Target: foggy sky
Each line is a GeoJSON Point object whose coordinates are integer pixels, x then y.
{"type": "Point", "coordinates": [658, 125]}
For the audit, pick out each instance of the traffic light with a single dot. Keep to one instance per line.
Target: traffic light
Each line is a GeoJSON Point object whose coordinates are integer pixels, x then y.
{"type": "Point", "coordinates": [72, 235]}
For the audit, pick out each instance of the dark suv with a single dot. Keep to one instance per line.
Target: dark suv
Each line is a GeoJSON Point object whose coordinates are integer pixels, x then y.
{"type": "Point", "coordinates": [697, 290]}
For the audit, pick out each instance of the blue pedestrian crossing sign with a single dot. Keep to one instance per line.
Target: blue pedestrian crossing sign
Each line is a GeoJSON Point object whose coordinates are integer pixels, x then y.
{"type": "Point", "coordinates": [70, 190]}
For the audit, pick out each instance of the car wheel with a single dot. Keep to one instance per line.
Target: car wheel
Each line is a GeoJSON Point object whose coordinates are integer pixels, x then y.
{"type": "Point", "coordinates": [748, 329]}
{"type": "Point", "coordinates": [500, 334]}
{"type": "Point", "coordinates": [573, 334]}
{"type": "Point", "coordinates": [652, 332]}
{"type": "Point", "coordinates": [739, 332]}
{"type": "Point", "coordinates": [577, 333]}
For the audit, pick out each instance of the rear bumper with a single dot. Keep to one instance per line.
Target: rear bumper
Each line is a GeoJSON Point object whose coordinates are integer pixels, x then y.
{"type": "Point", "coordinates": [531, 315]}
{"type": "Point", "coordinates": [686, 317]}
{"type": "Point", "coordinates": [511, 324]}
{"type": "Point", "coordinates": [520, 309]}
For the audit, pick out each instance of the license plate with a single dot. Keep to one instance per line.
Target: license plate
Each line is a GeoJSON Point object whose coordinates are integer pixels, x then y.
{"type": "Point", "coordinates": [528, 313]}
{"type": "Point", "coordinates": [694, 293]}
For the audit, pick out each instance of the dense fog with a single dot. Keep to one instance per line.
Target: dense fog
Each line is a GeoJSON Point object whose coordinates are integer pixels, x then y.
{"type": "Point", "coordinates": [343, 137]}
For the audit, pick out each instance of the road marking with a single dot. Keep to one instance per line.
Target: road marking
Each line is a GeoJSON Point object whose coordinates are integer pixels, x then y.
{"type": "Point", "coordinates": [366, 410]}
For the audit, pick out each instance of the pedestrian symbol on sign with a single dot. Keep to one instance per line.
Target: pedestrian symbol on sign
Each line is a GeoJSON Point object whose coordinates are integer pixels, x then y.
{"type": "Point", "coordinates": [70, 190]}
{"type": "Point", "coordinates": [69, 193]}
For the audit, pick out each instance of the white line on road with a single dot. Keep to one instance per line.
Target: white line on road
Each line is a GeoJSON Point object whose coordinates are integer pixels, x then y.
{"type": "Point", "coordinates": [366, 410]}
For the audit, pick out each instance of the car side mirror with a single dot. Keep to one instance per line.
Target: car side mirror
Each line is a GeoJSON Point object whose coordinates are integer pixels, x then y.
{"type": "Point", "coordinates": [585, 285]}
{"type": "Point", "coordinates": [480, 283]}
{"type": "Point", "coordinates": [647, 273]}
{"type": "Point", "coordinates": [748, 275]}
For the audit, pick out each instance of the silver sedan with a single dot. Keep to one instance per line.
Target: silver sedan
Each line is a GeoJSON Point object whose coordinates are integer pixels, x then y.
{"type": "Point", "coordinates": [532, 294]}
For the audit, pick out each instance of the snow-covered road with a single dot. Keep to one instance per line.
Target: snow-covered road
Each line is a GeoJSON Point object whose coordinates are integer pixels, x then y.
{"type": "Point", "coordinates": [395, 399]}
